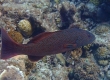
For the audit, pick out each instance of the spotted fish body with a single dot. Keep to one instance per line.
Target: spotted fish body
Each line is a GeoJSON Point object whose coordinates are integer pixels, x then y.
{"type": "Point", "coordinates": [46, 43]}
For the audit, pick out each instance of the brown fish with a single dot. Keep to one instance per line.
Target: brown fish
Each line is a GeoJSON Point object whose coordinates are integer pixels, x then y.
{"type": "Point", "coordinates": [46, 43]}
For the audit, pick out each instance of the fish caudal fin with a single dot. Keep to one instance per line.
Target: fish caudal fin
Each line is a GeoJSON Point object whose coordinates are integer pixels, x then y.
{"type": "Point", "coordinates": [8, 48]}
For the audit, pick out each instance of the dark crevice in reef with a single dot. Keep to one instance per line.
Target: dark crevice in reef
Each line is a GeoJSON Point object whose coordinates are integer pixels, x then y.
{"type": "Point", "coordinates": [37, 28]}
{"type": "Point", "coordinates": [66, 17]}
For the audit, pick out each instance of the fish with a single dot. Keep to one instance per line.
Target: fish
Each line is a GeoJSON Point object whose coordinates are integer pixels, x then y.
{"type": "Point", "coordinates": [46, 43]}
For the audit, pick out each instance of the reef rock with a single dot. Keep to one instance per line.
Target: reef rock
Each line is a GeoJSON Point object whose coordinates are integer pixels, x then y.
{"type": "Point", "coordinates": [12, 73]}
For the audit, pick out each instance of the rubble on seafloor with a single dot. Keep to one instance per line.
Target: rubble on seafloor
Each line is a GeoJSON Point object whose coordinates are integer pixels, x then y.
{"type": "Point", "coordinates": [23, 19]}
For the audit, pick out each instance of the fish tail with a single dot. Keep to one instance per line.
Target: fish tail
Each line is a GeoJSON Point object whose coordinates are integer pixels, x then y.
{"type": "Point", "coordinates": [9, 48]}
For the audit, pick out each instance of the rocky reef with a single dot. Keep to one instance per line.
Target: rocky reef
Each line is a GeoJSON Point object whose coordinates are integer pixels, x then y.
{"type": "Point", "coordinates": [24, 19]}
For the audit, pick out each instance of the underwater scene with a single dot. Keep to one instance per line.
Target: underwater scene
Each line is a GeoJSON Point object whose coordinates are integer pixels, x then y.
{"type": "Point", "coordinates": [54, 39]}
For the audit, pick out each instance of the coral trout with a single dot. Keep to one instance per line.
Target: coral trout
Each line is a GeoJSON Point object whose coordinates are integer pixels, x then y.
{"type": "Point", "coordinates": [46, 43]}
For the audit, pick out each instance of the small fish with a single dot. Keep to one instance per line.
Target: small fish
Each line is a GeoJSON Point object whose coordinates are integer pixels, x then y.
{"type": "Point", "coordinates": [46, 43]}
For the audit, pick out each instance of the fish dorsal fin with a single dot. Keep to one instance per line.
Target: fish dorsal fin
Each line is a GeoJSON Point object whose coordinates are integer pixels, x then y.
{"type": "Point", "coordinates": [40, 37]}
{"type": "Point", "coordinates": [34, 58]}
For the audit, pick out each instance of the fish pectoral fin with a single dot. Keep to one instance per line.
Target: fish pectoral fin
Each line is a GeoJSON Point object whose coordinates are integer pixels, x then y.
{"type": "Point", "coordinates": [70, 45]}
{"type": "Point", "coordinates": [34, 58]}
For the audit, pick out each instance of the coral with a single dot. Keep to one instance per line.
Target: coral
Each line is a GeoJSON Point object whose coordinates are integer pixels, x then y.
{"type": "Point", "coordinates": [48, 17]}
{"type": "Point", "coordinates": [102, 33]}
{"type": "Point", "coordinates": [103, 62]}
{"type": "Point", "coordinates": [102, 52]}
{"type": "Point", "coordinates": [61, 58]}
{"type": "Point", "coordinates": [68, 13]}
{"type": "Point", "coordinates": [102, 28]}
{"type": "Point", "coordinates": [49, 22]}
{"type": "Point", "coordinates": [44, 59]}
{"type": "Point", "coordinates": [63, 72]}
{"type": "Point", "coordinates": [44, 4]}
{"type": "Point", "coordinates": [85, 69]}
{"type": "Point", "coordinates": [76, 54]}
{"type": "Point", "coordinates": [87, 47]}
{"type": "Point", "coordinates": [51, 60]}
{"type": "Point", "coordinates": [7, 23]}
{"type": "Point", "coordinates": [58, 20]}
{"type": "Point", "coordinates": [28, 66]}
{"type": "Point", "coordinates": [49, 68]}
{"type": "Point", "coordinates": [70, 56]}
{"type": "Point", "coordinates": [12, 73]}
{"type": "Point", "coordinates": [16, 36]}
{"type": "Point", "coordinates": [25, 27]}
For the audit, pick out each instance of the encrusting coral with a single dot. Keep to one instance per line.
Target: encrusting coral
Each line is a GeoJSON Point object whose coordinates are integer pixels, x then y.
{"type": "Point", "coordinates": [103, 62]}
{"type": "Point", "coordinates": [102, 28]}
{"type": "Point", "coordinates": [102, 34]}
{"type": "Point", "coordinates": [25, 27]}
{"type": "Point", "coordinates": [16, 36]}
{"type": "Point", "coordinates": [102, 56]}
{"type": "Point", "coordinates": [102, 52]}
